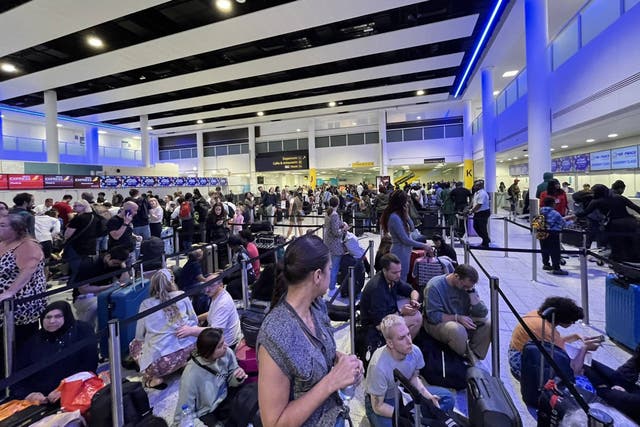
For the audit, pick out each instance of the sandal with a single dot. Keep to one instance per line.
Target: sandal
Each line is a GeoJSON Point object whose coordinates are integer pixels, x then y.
{"type": "Point", "coordinates": [160, 386]}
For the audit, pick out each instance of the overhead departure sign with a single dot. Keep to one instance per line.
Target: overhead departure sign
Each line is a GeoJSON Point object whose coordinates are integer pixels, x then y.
{"type": "Point", "coordinates": [362, 164]}
{"type": "Point", "coordinates": [432, 161]}
{"type": "Point", "coordinates": [288, 160]}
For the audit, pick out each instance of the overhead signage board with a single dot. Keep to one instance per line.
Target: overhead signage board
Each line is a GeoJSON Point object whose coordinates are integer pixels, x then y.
{"type": "Point", "coordinates": [624, 158]}
{"type": "Point", "coordinates": [86, 181]}
{"type": "Point", "coordinates": [566, 164]}
{"type": "Point", "coordinates": [224, 182]}
{"type": "Point", "coordinates": [58, 181]}
{"type": "Point", "coordinates": [110, 182]}
{"type": "Point", "coordinates": [192, 181]}
{"type": "Point", "coordinates": [148, 181]}
{"type": "Point", "coordinates": [581, 162]}
{"type": "Point", "coordinates": [4, 182]}
{"type": "Point", "coordinates": [600, 160]}
{"type": "Point", "coordinates": [517, 170]}
{"type": "Point", "coordinates": [26, 182]}
{"type": "Point", "coordinates": [131, 181]}
{"type": "Point", "coordinates": [287, 160]}
{"type": "Point", "coordinates": [362, 164]}
{"type": "Point", "coordinates": [203, 181]}
{"type": "Point", "coordinates": [555, 165]}
{"type": "Point", "coordinates": [179, 181]}
{"type": "Point", "coordinates": [435, 160]}
{"type": "Point", "coordinates": [164, 181]}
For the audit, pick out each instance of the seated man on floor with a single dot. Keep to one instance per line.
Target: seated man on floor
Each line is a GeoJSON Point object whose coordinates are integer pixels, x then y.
{"type": "Point", "coordinates": [386, 294]}
{"type": "Point", "coordinates": [398, 353]}
{"type": "Point", "coordinates": [455, 314]}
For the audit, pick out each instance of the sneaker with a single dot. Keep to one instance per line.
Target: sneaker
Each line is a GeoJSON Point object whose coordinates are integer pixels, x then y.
{"type": "Point", "coordinates": [547, 267]}
{"type": "Point", "coordinates": [560, 272]}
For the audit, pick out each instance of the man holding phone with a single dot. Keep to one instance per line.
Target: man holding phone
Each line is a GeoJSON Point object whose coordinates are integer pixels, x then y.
{"type": "Point", "coordinates": [120, 229]}
{"type": "Point", "coordinates": [455, 314]}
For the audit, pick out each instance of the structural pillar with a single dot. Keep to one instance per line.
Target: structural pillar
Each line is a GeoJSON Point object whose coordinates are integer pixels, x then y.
{"type": "Point", "coordinates": [51, 126]}
{"type": "Point", "coordinates": [467, 170]}
{"type": "Point", "coordinates": [144, 141]}
{"type": "Point", "coordinates": [382, 135]}
{"type": "Point", "coordinates": [1, 133]}
{"type": "Point", "coordinates": [200, 152]}
{"type": "Point", "coordinates": [91, 140]}
{"type": "Point", "coordinates": [538, 108]}
{"type": "Point", "coordinates": [313, 158]}
{"type": "Point", "coordinates": [253, 181]}
{"type": "Point", "coordinates": [489, 130]}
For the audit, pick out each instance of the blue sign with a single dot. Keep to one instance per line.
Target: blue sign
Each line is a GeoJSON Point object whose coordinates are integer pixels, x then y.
{"type": "Point", "coordinates": [165, 181]}
{"type": "Point", "coordinates": [179, 181]}
{"type": "Point", "coordinates": [110, 182]}
{"type": "Point", "coordinates": [192, 181]}
{"type": "Point", "coordinates": [203, 181]}
{"type": "Point", "coordinates": [131, 181]}
{"type": "Point", "coordinates": [600, 160]}
{"type": "Point", "coordinates": [581, 162]}
{"type": "Point", "coordinates": [214, 182]}
{"type": "Point", "coordinates": [224, 182]}
{"type": "Point", "coordinates": [148, 181]}
{"type": "Point", "coordinates": [622, 158]}
{"type": "Point", "coordinates": [566, 164]}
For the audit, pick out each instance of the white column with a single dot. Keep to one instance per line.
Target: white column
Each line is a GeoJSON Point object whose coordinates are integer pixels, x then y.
{"type": "Point", "coordinates": [200, 152]}
{"type": "Point", "coordinates": [313, 155]}
{"type": "Point", "coordinates": [467, 170]}
{"type": "Point", "coordinates": [51, 125]}
{"type": "Point", "coordinates": [382, 136]}
{"type": "Point", "coordinates": [539, 113]}
{"type": "Point", "coordinates": [489, 130]}
{"type": "Point", "coordinates": [144, 141]}
{"type": "Point", "coordinates": [253, 183]}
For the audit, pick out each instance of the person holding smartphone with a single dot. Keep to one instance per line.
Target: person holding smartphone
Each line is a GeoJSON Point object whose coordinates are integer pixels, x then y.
{"type": "Point", "coordinates": [120, 229]}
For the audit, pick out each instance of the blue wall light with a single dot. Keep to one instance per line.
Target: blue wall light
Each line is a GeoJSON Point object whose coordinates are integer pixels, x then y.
{"type": "Point", "coordinates": [494, 18]}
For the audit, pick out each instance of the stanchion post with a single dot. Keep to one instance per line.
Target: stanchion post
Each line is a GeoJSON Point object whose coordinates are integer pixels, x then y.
{"type": "Point", "coordinates": [275, 263]}
{"type": "Point", "coordinates": [176, 240]}
{"type": "Point", "coordinates": [465, 245]}
{"type": "Point", "coordinates": [352, 308]}
{"type": "Point", "coordinates": [8, 333]}
{"type": "Point", "coordinates": [117, 411]}
{"type": "Point", "coordinates": [372, 257]}
{"type": "Point", "coordinates": [494, 284]}
{"type": "Point", "coordinates": [164, 260]}
{"type": "Point", "coordinates": [534, 257]}
{"type": "Point", "coordinates": [216, 261]}
{"type": "Point", "coordinates": [506, 236]}
{"type": "Point", "coordinates": [452, 239]}
{"type": "Point", "coordinates": [245, 283]}
{"type": "Point", "coordinates": [229, 254]}
{"type": "Point", "coordinates": [584, 285]}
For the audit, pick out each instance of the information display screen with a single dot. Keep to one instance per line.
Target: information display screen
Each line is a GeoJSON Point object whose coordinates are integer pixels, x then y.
{"type": "Point", "coordinates": [224, 182]}
{"type": "Point", "coordinates": [600, 160]}
{"type": "Point", "coordinates": [148, 181]}
{"type": "Point", "coordinates": [4, 182]}
{"type": "Point", "coordinates": [58, 181]}
{"type": "Point", "coordinates": [203, 181]}
{"type": "Point", "coordinates": [164, 181]}
{"type": "Point", "coordinates": [214, 182]}
{"type": "Point", "coordinates": [192, 181]}
{"type": "Point", "coordinates": [179, 181]}
{"type": "Point", "coordinates": [26, 182]}
{"type": "Point", "coordinates": [86, 181]}
{"type": "Point", "coordinates": [555, 165]}
{"type": "Point", "coordinates": [288, 160]}
{"type": "Point", "coordinates": [566, 164]}
{"type": "Point", "coordinates": [131, 181]}
{"type": "Point", "coordinates": [110, 182]}
{"type": "Point", "coordinates": [624, 158]}
{"type": "Point", "coordinates": [581, 162]}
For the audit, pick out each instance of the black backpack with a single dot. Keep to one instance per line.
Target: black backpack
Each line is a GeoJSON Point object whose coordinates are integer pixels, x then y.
{"type": "Point", "coordinates": [101, 224]}
{"type": "Point", "coordinates": [244, 407]}
{"type": "Point", "coordinates": [134, 401]}
{"type": "Point", "coordinates": [250, 321]}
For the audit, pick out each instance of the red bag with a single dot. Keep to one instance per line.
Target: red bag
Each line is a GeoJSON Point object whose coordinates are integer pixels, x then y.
{"type": "Point", "coordinates": [77, 390]}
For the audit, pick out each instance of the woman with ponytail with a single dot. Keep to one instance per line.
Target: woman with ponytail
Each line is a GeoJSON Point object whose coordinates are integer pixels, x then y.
{"type": "Point", "coordinates": [300, 371]}
{"type": "Point", "coordinates": [156, 347]}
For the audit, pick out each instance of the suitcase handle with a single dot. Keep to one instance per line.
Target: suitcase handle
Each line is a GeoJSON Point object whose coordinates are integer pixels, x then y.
{"type": "Point", "coordinates": [474, 389]}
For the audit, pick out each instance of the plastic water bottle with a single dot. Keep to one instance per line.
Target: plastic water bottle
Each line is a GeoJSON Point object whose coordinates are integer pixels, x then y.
{"type": "Point", "coordinates": [186, 418]}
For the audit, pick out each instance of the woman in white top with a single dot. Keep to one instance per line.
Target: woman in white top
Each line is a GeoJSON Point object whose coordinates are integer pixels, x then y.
{"type": "Point", "coordinates": [156, 347]}
{"type": "Point", "coordinates": [156, 214]}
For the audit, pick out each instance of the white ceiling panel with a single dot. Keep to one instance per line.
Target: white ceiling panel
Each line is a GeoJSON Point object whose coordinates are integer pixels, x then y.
{"type": "Point", "coordinates": [290, 17]}
{"type": "Point", "coordinates": [408, 67]}
{"type": "Point", "coordinates": [39, 21]}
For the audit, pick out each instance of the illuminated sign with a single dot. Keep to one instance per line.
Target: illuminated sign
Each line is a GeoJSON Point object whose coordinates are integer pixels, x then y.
{"type": "Point", "coordinates": [58, 181]}
{"type": "Point", "coordinates": [288, 160]}
{"type": "Point", "coordinates": [26, 182]}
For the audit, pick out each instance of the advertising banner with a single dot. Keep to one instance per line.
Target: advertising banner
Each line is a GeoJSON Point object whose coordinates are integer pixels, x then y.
{"type": "Point", "coordinates": [179, 181]}
{"type": "Point", "coordinates": [566, 164]}
{"type": "Point", "coordinates": [214, 182]}
{"type": "Point", "coordinates": [581, 162]}
{"type": "Point", "coordinates": [165, 181]}
{"type": "Point", "coordinates": [26, 182]}
{"type": "Point", "coordinates": [224, 182]}
{"type": "Point", "coordinates": [148, 181]}
{"type": "Point", "coordinates": [203, 181]}
{"type": "Point", "coordinates": [192, 181]}
{"type": "Point", "coordinates": [555, 165]}
{"type": "Point", "coordinates": [86, 181]}
{"type": "Point", "coordinates": [624, 158]}
{"type": "Point", "coordinates": [131, 181]}
{"type": "Point", "coordinates": [110, 182]}
{"type": "Point", "coordinates": [58, 181]}
{"type": "Point", "coordinates": [4, 182]}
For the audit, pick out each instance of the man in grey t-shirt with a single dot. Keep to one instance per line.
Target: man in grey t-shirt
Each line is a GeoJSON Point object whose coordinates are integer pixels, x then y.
{"type": "Point", "coordinates": [454, 312]}
{"type": "Point", "coordinates": [399, 353]}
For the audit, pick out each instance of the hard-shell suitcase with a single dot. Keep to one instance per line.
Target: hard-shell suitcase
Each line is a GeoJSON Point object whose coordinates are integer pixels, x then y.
{"type": "Point", "coordinates": [622, 311]}
{"type": "Point", "coordinates": [248, 361]}
{"type": "Point", "coordinates": [489, 402]}
{"type": "Point", "coordinates": [415, 255]}
{"type": "Point", "coordinates": [167, 237]}
{"type": "Point", "coordinates": [121, 303]}
{"type": "Point", "coordinates": [572, 236]}
{"type": "Point", "coordinates": [28, 416]}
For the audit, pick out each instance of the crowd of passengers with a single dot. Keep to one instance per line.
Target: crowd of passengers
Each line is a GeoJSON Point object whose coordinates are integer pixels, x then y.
{"type": "Point", "coordinates": [300, 368]}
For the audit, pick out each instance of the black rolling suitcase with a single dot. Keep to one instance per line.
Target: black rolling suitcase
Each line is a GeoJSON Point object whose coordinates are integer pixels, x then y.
{"type": "Point", "coordinates": [429, 220]}
{"type": "Point", "coordinates": [572, 236]}
{"type": "Point", "coordinates": [28, 416]}
{"type": "Point", "coordinates": [261, 226]}
{"type": "Point", "coordinates": [489, 402]}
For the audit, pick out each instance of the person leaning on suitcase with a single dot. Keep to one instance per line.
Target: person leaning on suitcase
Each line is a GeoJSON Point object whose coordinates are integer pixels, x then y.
{"type": "Point", "coordinates": [454, 313]}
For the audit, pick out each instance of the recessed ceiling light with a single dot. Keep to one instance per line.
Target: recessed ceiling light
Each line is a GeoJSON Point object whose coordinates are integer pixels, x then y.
{"type": "Point", "coordinates": [552, 149]}
{"type": "Point", "coordinates": [420, 92]}
{"type": "Point", "coordinates": [501, 161]}
{"type": "Point", "coordinates": [199, 121]}
{"type": "Point", "coordinates": [8, 68]}
{"type": "Point", "coordinates": [240, 1]}
{"type": "Point", "coordinates": [590, 140]}
{"type": "Point", "coordinates": [526, 155]}
{"type": "Point", "coordinates": [332, 104]}
{"type": "Point", "coordinates": [515, 158]}
{"type": "Point", "coordinates": [149, 128]}
{"type": "Point", "coordinates": [94, 41]}
{"type": "Point", "coordinates": [353, 123]}
{"type": "Point", "coordinates": [260, 113]}
{"type": "Point", "coordinates": [564, 146]}
{"type": "Point", "coordinates": [1, 116]}
{"type": "Point", "coordinates": [509, 159]}
{"type": "Point", "coordinates": [59, 125]}
{"type": "Point", "coordinates": [223, 5]}
{"type": "Point", "coordinates": [496, 92]}
{"type": "Point", "coordinates": [136, 137]}
{"type": "Point", "coordinates": [612, 135]}
{"type": "Point", "coordinates": [510, 73]}
{"type": "Point", "coordinates": [142, 78]}
{"type": "Point", "coordinates": [102, 132]}
{"type": "Point", "coordinates": [297, 130]}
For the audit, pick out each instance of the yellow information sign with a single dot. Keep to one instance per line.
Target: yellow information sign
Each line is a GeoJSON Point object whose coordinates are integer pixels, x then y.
{"type": "Point", "coordinates": [468, 173]}
{"type": "Point", "coordinates": [362, 164]}
{"type": "Point", "coordinates": [312, 178]}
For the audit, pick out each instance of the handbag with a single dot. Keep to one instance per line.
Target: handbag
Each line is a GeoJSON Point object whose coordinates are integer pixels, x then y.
{"type": "Point", "coordinates": [77, 391]}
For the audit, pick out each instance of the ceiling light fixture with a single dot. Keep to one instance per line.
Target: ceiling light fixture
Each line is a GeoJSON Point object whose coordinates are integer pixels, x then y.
{"type": "Point", "coordinates": [419, 117]}
{"type": "Point", "coordinates": [240, 1]}
{"type": "Point", "coordinates": [590, 140]}
{"type": "Point", "coordinates": [509, 159]}
{"type": "Point", "coordinates": [260, 113]}
{"type": "Point", "coordinates": [496, 92]}
{"type": "Point", "coordinates": [420, 92]}
{"type": "Point", "coordinates": [612, 135]}
{"type": "Point", "coordinates": [483, 37]}
{"type": "Point", "coordinates": [510, 73]}
{"type": "Point", "coordinates": [94, 41]}
{"type": "Point", "coordinates": [149, 128]}
{"type": "Point", "coordinates": [297, 130]}
{"type": "Point", "coordinates": [515, 158]}
{"type": "Point", "coordinates": [526, 155]}
{"type": "Point", "coordinates": [552, 149]}
{"type": "Point", "coordinates": [223, 5]}
{"type": "Point", "coordinates": [102, 132]}
{"type": "Point", "coordinates": [564, 146]}
{"type": "Point", "coordinates": [332, 104]}
{"type": "Point", "coordinates": [59, 125]}
{"type": "Point", "coordinates": [501, 161]}
{"type": "Point", "coordinates": [354, 124]}
{"type": "Point", "coordinates": [199, 121]}
{"type": "Point", "coordinates": [8, 68]}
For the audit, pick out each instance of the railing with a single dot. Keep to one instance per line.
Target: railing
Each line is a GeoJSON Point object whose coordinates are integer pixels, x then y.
{"type": "Point", "coordinates": [119, 153]}
{"type": "Point", "coordinates": [453, 130]}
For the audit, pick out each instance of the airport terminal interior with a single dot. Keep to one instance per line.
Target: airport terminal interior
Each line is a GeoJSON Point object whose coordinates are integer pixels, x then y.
{"type": "Point", "coordinates": [210, 123]}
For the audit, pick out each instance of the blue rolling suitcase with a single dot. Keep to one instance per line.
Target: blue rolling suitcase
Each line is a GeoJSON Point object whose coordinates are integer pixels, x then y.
{"type": "Point", "coordinates": [120, 303]}
{"type": "Point", "coordinates": [622, 311]}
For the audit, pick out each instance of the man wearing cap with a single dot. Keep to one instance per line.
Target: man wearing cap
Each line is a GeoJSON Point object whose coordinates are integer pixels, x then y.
{"type": "Point", "coordinates": [481, 211]}
{"type": "Point", "coordinates": [513, 194]}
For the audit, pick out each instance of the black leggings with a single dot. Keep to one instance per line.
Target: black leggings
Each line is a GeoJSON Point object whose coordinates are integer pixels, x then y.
{"type": "Point", "coordinates": [603, 378]}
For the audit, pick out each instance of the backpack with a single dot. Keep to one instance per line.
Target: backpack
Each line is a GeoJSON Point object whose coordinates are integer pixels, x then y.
{"type": "Point", "coordinates": [442, 366]}
{"type": "Point", "coordinates": [185, 210]}
{"type": "Point", "coordinates": [101, 224]}
{"type": "Point", "coordinates": [134, 401]}
{"type": "Point", "coordinates": [251, 319]}
{"type": "Point", "coordinates": [539, 226]}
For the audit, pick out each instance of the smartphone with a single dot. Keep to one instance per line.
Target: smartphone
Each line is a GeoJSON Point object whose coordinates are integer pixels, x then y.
{"type": "Point", "coordinates": [599, 338]}
{"type": "Point", "coordinates": [128, 212]}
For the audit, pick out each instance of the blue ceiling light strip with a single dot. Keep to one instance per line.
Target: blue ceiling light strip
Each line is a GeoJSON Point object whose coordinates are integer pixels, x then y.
{"type": "Point", "coordinates": [69, 119]}
{"type": "Point", "coordinates": [491, 22]}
